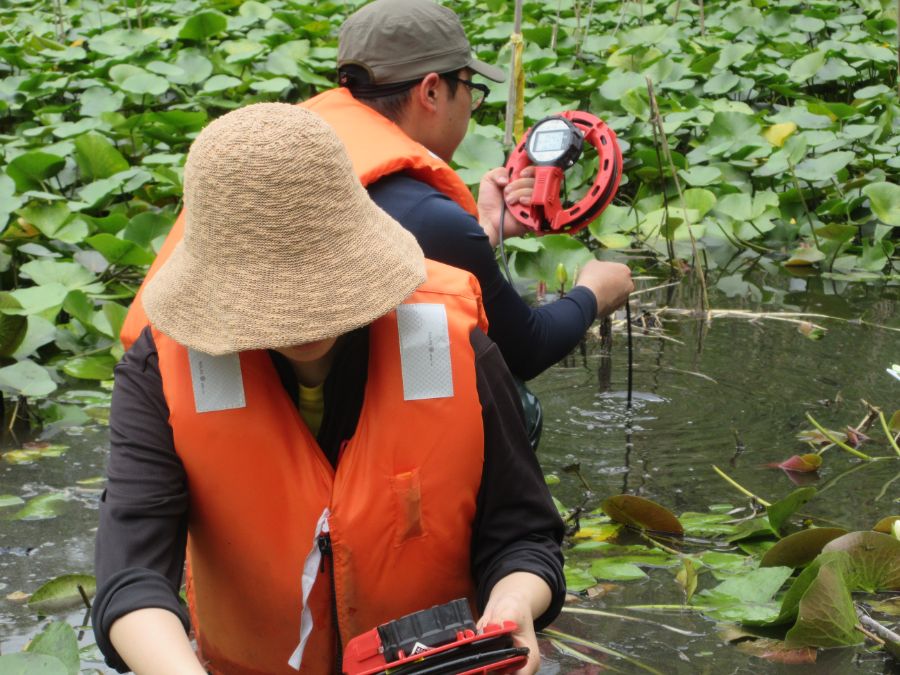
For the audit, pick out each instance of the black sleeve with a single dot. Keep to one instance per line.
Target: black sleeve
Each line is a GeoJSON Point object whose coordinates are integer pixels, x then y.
{"type": "Point", "coordinates": [517, 527]}
{"type": "Point", "coordinates": [531, 340]}
{"type": "Point", "coordinates": [142, 533]}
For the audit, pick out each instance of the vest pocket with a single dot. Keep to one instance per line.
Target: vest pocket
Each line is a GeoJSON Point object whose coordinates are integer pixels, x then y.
{"type": "Point", "coordinates": [408, 506]}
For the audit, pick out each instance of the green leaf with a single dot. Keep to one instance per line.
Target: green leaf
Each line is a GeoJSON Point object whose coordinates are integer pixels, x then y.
{"type": "Point", "coordinates": [39, 299]}
{"type": "Point", "coordinates": [641, 513]}
{"type": "Point", "coordinates": [884, 199]}
{"type": "Point", "coordinates": [807, 66]}
{"type": "Point", "coordinates": [783, 509]}
{"type": "Point", "coordinates": [97, 157]}
{"type": "Point", "coordinates": [145, 83]}
{"type": "Point", "coordinates": [24, 663]}
{"type": "Point", "coordinates": [219, 83]}
{"type": "Point", "coordinates": [555, 249]}
{"type": "Point", "coordinates": [62, 594]}
{"type": "Point", "coordinates": [874, 560]}
{"type": "Point", "coordinates": [145, 227]}
{"type": "Point", "coordinates": [203, 25]}
{"type": "Point", "coordinates": [804, 255]}
{"type": "Point", "coordinates": [578, 579]}
{"type": "Point", "coordinates": [823, 167]}
{"type": "Point", "coordinates": [30, 169]}
{"type": "Point", "coordinates": [255, 10]}
{"type": "Point", "coordinates": [98, 100]}
{"type": "Point", "coordinates": [615, 570]}
{"type": "Point", "coordinates": [241, 51]}
{"type": "Point", "coordinates": [119, 251]}
{"type": "Point", "coordinates": [701, 175]}
{"type": "Point", "coordinates": [43, 507]}
{"type": "Point", "coordinates": [58, 639]}
{"type": "Point", "coordinates": [800, 548]}
{"type": "Point", "coordinates": [26, 378]}
{"type": "Point", "coordinates": [10, 500]}
{"type": "Point", "coordinates": [273, 86]}
{"type": "Point", "coordinates": [12, 327]}
{"type": "Point", "coordinates": [826, 616]}
{"type": "Point", "coordinates": [32, 452]}
{"type": "Point", "coordinates": [95, 367]}
{"type": "Point", "coordinates": [70, 275]}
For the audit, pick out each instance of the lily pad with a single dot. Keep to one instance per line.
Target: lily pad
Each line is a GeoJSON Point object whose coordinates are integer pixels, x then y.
{"type": "Point", "coordinates": [612, 569]}
{"type": "Point", "coordinates": [43, 507]}
{"type": "Point", "coordinates": [58, 639]}
{"type": "Point", "coordinates": [578, 579]}
{"type": "Point", "coordinates": [802, 463]}
{"type": "Point", "coordinates": [62, 594]}
{"type": "Point", "coordinates": [25, 663]}
{"type": "Point", "coordinates": [642, 513]}
{"type": "Point", "coordinates": [800, 548]}
{"type": "Point", "coordinates": [885, 201]}
{"type": "Point", "coordinates": [26, 378]}
{"type": "Point", "coordinates": [826, 617]}
{"type": "Point", "coordinates": [783, 509]}
{"type": "Point", "coordinates": [874, 560]}
{"type": "Point", "coordinates": [31, 452]}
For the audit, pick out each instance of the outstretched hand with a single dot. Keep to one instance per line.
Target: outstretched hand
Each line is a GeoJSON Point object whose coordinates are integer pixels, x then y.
{"type": "Point", "coordinates": [495, 188]}
{"type": "Point", "coordinates": [519, 597]}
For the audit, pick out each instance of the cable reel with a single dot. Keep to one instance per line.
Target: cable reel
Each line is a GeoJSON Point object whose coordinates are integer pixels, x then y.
{"type": "Point", "coordinates": [553, 146]}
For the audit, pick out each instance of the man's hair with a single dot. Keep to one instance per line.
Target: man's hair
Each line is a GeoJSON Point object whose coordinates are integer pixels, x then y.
{"type": "Point", "coordinates": [389, 100]}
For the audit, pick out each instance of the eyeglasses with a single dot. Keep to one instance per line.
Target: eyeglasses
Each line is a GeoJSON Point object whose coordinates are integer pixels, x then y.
{"type": "Point", "coordinates": [478, 92]}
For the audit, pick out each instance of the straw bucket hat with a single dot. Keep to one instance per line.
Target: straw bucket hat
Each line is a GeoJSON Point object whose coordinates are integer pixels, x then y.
{"type": "Point", "coordinates": [282, 245]}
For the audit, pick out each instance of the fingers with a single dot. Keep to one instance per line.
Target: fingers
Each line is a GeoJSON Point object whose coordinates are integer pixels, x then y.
{"type": "Point", "coordinates": [519, 191]}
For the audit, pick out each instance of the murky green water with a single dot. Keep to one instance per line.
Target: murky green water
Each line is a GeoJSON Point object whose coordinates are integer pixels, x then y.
{"type": "Point", "coordinates": [733, 392]}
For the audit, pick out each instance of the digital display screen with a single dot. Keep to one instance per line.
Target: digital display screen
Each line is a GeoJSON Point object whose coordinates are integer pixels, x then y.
{"type": "Point", "coordinates": [547, 141]}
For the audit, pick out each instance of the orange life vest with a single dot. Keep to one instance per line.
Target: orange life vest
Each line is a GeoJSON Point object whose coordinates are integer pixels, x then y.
{"type": "Point", "coordinates": [402, 500]}
{"type": "Point", "coordinates": [377, 148]}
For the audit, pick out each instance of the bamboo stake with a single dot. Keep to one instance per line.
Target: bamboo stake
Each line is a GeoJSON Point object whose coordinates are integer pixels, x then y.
{"type": "Point", "coordinates": [514, 69]}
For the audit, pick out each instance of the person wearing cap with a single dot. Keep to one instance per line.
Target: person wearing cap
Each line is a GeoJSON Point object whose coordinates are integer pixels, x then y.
{"type": "Point", "coordinates": [306, 527]}
{"type": "Point", "coordinates": [406, 71]}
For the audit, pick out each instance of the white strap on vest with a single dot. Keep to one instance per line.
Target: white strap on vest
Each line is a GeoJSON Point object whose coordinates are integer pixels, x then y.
{"type": "Point", "coordinates": [217, 380]}
{"type": "Point", "coordinates": [425, 351]}
{"type": "Point", "coordinates": [310, 573]}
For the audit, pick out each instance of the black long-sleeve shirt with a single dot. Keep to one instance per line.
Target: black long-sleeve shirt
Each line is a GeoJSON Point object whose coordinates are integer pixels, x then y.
{"type": "Point", "coordinates": [143, 512]}
{"type": "Point", "coordinates": [530, 339]}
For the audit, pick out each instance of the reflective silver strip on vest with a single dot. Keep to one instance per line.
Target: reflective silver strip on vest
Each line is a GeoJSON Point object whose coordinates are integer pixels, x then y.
{"type": "Point", "coordinates": [310, 574]}
{"type": "Point", "coordinates": [217, 380]}
{"type": "Point", "coordinates": [425, 351]}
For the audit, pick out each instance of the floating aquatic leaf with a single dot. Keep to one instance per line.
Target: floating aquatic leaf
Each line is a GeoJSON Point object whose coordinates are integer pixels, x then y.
{"type": "Point", "coordinates": [33, 451]}
{"type": "Point", "coordinates": [886, 524]}
{"type": "Point", "coordinates": [783, 509]}
{"type": "Point", "coordinates": [97, 157]}
{"type": "Point", "coordinates": [746, 597]}
{"type": "Point", "coordinates": [578, 579]}
{"type": "Point", "coordinates": [874, 560]}
{"type": "Point", "coordinates": [805, 255]}
{"type": "Point", "coordinates": [614, 570]}
{"type": "Point", "coordinates": [885, 201]}
{"type": "Point", "coordinates": [801, 463]}
{"type": "Point", "coordinates": [203, 25]}
{"type": "Point", "coordinates": [58, 639]}
{"type": "Point", "coordinates": [95, 367]}
{"type": "Point", "coordinates": [800, 548]}
{"type": "Point", "coordinates": [599, 532]}
{"type": "Point", "coordinates": [12, 327]}
{"type": "Point", "coordinates": [30, 169]}
{"type": "Point", "coordinates": [42, 507]}
{"type": "Point", "coordinates": [62, 593]}
{"type": "Point", "coordinates": [25, 663]}
{"type": "Point", "coordinates": [26, 378]}
{"type": "Point", "coordinates": [826, 616]}
{"type": "Point", "coordinates": [777, 134]}
{"type": "Point", "coordinates": [642, 513]}
{"type": "Point", "coordinates": [753, 528]}
{"type": "Point", "coordinates": [10, 500]}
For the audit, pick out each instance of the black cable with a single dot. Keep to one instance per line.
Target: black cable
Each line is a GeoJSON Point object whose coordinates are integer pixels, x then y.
{"type": "Point", "coordinates": [630, 350]}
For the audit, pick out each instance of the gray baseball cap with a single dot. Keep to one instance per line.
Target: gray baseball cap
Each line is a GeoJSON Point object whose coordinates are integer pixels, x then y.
{"type": "Point", "coordinates": [402, 40]}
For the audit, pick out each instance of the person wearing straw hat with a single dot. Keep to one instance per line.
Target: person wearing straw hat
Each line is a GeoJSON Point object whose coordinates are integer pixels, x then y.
{"type": "Point", "coordinates": [411, 484]}
{"type": "Point", "coordinates": [407, 93]}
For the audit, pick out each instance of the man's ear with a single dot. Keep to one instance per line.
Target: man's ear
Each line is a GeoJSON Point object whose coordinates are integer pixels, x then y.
{"type": "Point", "coordinates": [426, 94]}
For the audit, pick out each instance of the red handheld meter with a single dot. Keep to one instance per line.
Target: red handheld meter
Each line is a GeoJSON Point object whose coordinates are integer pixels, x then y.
{"type": "Point", "coordinates": [437, 641]}
{"type": "Point", "coordinates": [552, 146]}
